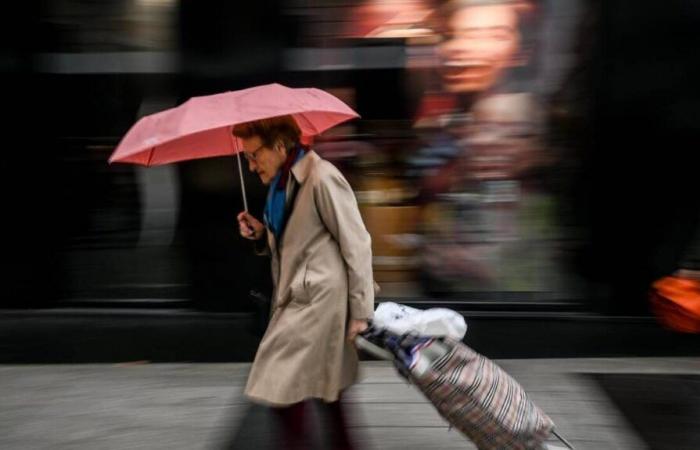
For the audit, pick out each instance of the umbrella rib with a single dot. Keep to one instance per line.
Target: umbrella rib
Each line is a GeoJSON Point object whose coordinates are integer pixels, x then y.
{"type": "Point", "coordinates": [307, 122]}
{"type": "Point", "coordinates": [150, 156]}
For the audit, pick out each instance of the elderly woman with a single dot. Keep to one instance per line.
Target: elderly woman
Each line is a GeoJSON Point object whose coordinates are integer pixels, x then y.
{"type": "Point", "coordinates": [322, 276]}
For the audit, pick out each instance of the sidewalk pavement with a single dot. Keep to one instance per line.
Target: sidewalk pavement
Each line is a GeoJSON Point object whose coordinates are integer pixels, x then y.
{"type": "Point", "coordinates": [138, 405]}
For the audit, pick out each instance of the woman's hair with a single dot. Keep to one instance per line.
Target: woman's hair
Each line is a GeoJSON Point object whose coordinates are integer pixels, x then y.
{"type": "Point", "coordinates": [282, 129]}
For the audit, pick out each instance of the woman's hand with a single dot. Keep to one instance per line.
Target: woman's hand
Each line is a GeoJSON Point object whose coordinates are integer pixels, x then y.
{"type": "Point", "coordinates": [250, 227]}
{"type": "Point", "coordinates": [355, 327]}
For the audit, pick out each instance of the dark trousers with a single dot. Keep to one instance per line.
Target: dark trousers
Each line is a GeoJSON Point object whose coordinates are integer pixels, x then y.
{"type": "Point", "coordinates": [295, 429]}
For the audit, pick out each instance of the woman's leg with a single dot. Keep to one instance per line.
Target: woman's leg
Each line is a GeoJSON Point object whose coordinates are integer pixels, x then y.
{"type": "Point", "coordinates": [292, 421]}
{"type": "Point", "coordinates": [337, 421]}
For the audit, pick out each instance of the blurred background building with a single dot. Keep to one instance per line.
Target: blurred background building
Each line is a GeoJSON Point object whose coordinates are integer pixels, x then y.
{"type": "Point", "coordinates": [510, 153]}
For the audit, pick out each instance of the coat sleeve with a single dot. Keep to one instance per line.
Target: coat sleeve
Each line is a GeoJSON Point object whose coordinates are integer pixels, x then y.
{"type": "Point", "coordinates": [337, 207]}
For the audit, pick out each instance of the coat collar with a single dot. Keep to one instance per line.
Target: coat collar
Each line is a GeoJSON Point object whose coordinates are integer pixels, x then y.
{"type": "Point", "coordinates": [302, 169]}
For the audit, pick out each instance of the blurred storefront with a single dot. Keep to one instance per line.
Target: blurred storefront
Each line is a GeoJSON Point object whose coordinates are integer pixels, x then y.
{"type": "Point", "coordinates": [457, 162]}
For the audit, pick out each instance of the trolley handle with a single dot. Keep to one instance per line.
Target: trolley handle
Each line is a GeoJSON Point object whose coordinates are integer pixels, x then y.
{"type": "Point", "coordinates": [373, 349]}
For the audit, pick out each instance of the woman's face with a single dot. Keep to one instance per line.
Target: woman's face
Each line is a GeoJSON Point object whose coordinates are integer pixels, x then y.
{"type": "Point", "coordinates": [479, 42]}
{"type": "Point", "coordinates": [263, 160]}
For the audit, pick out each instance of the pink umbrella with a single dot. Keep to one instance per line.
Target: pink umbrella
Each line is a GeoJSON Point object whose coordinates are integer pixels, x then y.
{"type": "Point", "coordinates": [201, 127]}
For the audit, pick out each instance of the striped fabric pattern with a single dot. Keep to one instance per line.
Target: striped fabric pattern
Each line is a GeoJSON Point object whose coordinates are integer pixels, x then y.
{"type": "Point", "coordinates": [483, 401]}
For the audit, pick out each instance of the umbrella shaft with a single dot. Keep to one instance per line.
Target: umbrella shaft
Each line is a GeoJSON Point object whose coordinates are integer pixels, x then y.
{"type": "Point", "coordinates": [240, 173]}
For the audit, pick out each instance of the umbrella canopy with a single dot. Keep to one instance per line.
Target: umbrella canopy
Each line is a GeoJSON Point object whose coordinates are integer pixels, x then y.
{"type": "Point", "coordinates": [201, 127]}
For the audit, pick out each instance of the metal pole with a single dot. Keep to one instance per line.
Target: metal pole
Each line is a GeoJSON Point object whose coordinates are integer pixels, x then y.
{"type": "Point", "coordinates": [240, 171]}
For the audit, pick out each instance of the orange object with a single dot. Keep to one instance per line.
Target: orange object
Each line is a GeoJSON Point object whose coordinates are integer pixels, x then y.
{"type": "Point", "coordinates": [676, 303]}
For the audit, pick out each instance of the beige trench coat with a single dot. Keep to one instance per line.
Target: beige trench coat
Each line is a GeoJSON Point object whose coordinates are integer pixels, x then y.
{"type": "Point", "coordinates": [322, 276]}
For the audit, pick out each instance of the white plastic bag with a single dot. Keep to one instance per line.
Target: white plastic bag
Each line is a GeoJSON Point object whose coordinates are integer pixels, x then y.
{"type": "Point", "coordinates": [402, 319]}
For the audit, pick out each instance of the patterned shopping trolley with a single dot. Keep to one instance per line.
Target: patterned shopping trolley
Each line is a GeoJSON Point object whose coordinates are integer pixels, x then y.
{"type": "Point", "coordinates": [470, 391]}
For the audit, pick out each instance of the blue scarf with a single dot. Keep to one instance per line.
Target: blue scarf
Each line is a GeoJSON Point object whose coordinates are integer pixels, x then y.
{"type": "Point", "coordinates": [275, 207]}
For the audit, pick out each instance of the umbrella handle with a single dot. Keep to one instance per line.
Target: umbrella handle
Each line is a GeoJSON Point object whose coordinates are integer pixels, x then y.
{"type": "Point", "coordinates": [240, 171]}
